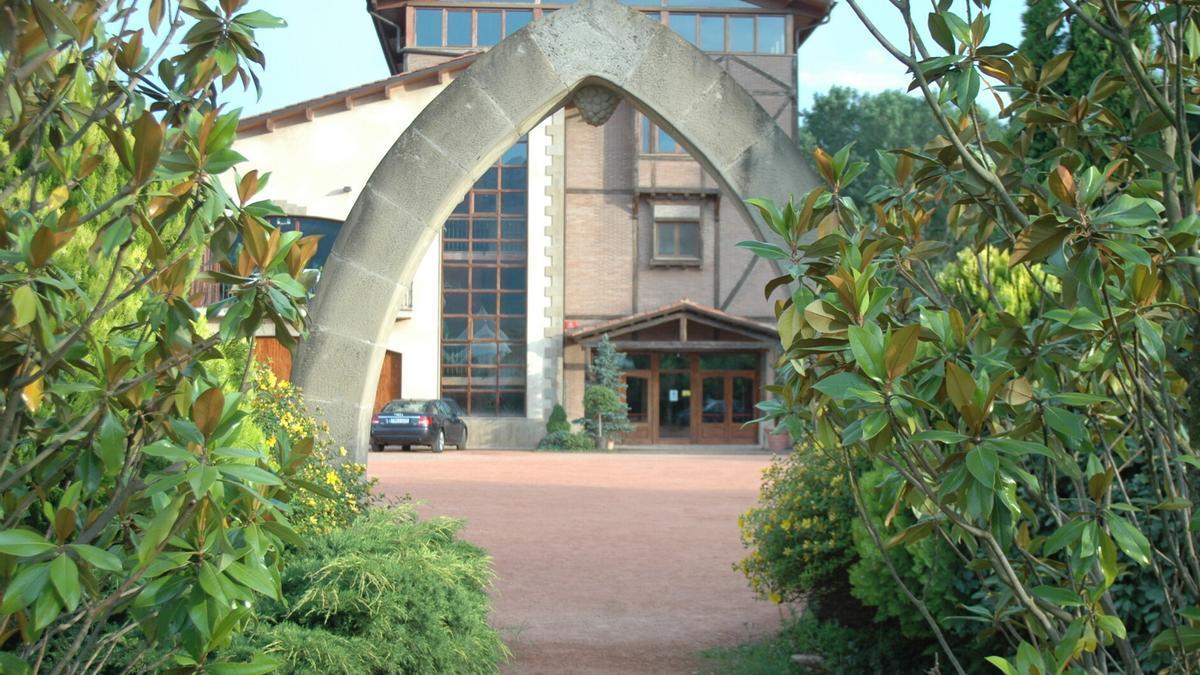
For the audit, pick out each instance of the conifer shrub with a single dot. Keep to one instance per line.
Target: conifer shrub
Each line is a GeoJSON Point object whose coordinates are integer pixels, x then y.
{"type": "Point", "coordinates": [388, 594]}
{"type": "Point", "coordinates": [558, 420]}
{"type": "Point", "coordinates": [605, 413]}
{"type": "Point", "coordinates": [575, 441]}
{"type": "Point", "coordinates": [559, 435]}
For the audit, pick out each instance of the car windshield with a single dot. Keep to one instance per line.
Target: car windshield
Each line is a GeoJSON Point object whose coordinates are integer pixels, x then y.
{"type": "Point", "coordinates": [405, 407]}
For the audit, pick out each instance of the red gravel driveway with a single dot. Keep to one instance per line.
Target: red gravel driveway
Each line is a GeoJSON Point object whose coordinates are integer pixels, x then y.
{"type": "Point", "coordinates": [606, 563]}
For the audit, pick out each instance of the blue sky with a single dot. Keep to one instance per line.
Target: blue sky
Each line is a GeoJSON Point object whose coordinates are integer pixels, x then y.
{"type": "Point", "coordinates": [331, 45]}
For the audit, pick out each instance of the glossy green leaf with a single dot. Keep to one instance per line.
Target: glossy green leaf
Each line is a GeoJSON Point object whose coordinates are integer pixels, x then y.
{"type": "Point", "coordinates": [250, 474]}
{"type": "Point", "coordinates": [253, 576]}
{"type": "Point", "coordinates": [21, 542]}
{"type": "Point", "coordinates": [1063, 597]}
{"type": "Point", "coordinates": [97, 557]}
{"type": "Point", "coordinates": [65, 577]}
{"type": "Point", "coordinates": [984, 464]}
{"type": "Point", "coordinates": [866, 343]}
{"type": "Point", "coordinates": [939, 436]}
{"type": "Point", "coordinates": [1111, 624]}
{"type": "Point", "coordinates": [1129, 539]}
{"type": "Point", "coordinates": [25, 587]}
{"type": "Point", "coordinates": [25, 303]}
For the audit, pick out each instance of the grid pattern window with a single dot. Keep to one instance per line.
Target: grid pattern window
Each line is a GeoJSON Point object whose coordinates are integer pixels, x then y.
{"type": "Point", "coordinates": [676, 241]}
{"type": "Point", "coordinates": [732, 33]}
{"type": "Point", "coordinates": [656, 141]}
{"type": "Point", "coordinates": [466, 28]}
{"type": "Point", "coordinates": [484, 267]}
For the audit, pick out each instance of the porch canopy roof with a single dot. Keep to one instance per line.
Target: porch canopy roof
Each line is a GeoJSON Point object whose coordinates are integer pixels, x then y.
{"type": "Point", "coordinates": [681, 326]}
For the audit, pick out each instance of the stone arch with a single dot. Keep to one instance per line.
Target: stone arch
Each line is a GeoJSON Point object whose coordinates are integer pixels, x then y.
{"type": "Point", "coordinates": [502, 95]}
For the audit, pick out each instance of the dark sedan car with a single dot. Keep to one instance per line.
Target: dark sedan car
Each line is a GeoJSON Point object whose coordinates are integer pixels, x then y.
{"type": "Point", "coordinates": [412, 422]}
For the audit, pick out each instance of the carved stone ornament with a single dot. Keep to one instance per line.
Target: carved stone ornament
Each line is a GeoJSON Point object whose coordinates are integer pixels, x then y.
{"type": "Point", "coordinates": [596, 103]}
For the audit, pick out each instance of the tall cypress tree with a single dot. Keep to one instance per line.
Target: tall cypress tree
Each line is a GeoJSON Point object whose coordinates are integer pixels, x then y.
{"type": "Point", "coordinates": [1038, 16]}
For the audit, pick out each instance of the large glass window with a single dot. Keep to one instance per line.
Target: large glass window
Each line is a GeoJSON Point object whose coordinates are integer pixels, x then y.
{"type": "Point", "coordinates": [732, 32]}
{"type": "Point", "coordinates": [484, 291]}
{"type": "Point", "coordinates": [711, 31]}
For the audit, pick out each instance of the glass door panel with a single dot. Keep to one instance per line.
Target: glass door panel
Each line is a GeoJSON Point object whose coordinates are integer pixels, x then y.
{"type": "Point", "coordinates": [674, 405]}
{"type": "Point", "coordinates": [743, 393]}
{"type": "Point", "coordinates": [713, 408]}
{"type": "Point", "coordinates": [637, 397]}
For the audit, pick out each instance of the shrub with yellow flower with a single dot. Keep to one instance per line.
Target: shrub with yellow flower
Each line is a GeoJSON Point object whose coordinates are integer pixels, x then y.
{"type": "Point", "coordinates": [799, 534]}
{"type": "Point", "coordinates": [336, 492]}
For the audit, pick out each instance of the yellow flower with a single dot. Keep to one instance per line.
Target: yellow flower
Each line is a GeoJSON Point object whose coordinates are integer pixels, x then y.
{"type": "Point", "coordinates": [331, 477]}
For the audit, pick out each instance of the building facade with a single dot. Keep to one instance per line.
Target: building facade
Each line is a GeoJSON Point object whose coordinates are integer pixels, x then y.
{"type": "Point", "coordinates": [576, 232]}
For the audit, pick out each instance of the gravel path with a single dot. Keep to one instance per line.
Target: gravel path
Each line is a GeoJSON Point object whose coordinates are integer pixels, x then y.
{"type": "Point", "coordinates": [606, 563]}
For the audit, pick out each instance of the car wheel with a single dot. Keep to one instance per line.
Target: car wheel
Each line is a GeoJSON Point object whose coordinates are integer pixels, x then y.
{"type": "Point", "coordinates": [462, 445]}
{"type": "Point", "coordinates": [377, 447]}
{"type": "Point", "coordinates": [406, 448]}
{"type": "Point", "coordinates": [439, 441]}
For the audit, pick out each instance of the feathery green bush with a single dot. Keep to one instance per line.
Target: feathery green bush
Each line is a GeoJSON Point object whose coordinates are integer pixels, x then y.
{"type": "Point", "coordinates": [388, 594]}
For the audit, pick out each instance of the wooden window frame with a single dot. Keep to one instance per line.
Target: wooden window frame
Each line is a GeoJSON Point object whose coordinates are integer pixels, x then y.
{"type": "Point", "coordinates": [663, 11]}
{"type": "Point", "coordinates": [677, 259]}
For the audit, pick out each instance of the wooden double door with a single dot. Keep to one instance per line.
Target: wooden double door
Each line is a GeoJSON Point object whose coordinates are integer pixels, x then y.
{"type": "Point", "coordinates": [697, 397]}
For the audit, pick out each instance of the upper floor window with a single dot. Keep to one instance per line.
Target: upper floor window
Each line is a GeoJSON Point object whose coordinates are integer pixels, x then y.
{"type": "Point", "coordinates": [466, 28]}
{"type": "Point", "coordinates": [711, 32]}
{"type": "Point", "coordinates": [733, 33]}
{"type": "Point", "coordinates": [676, 241]}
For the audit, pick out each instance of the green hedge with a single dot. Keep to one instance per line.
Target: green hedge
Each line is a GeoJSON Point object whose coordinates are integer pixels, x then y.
{"type": "Point", "coordinates": [389, 594]}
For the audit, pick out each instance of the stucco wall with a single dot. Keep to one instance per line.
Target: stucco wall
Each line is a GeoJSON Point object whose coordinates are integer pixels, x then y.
{"type": "Point", "coordinates": [311, 163]}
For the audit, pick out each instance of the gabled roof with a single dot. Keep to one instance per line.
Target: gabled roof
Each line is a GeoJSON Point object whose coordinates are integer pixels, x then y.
{"type": "Point", "coordinates": [685, 307]}
{"type": "Point", "coordinates": [347, 98]}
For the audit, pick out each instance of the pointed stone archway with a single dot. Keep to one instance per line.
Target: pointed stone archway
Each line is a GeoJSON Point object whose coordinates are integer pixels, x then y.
{"type": "Point", "coordinates": [504, 94]}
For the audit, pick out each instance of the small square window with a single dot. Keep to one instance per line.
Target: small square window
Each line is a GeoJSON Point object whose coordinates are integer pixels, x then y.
{"type": "Point", "coordinates": [676, 241]}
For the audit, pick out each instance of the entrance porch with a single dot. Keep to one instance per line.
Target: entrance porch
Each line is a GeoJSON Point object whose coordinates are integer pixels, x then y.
{"type": "Point", "coordinates": [693, 373]}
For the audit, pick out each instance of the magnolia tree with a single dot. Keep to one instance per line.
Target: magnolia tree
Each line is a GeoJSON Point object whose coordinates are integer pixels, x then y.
{"type": "Point", "coordinates": [1053, 453]}
{"type": "Point", "coordinates": [130, 508]}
